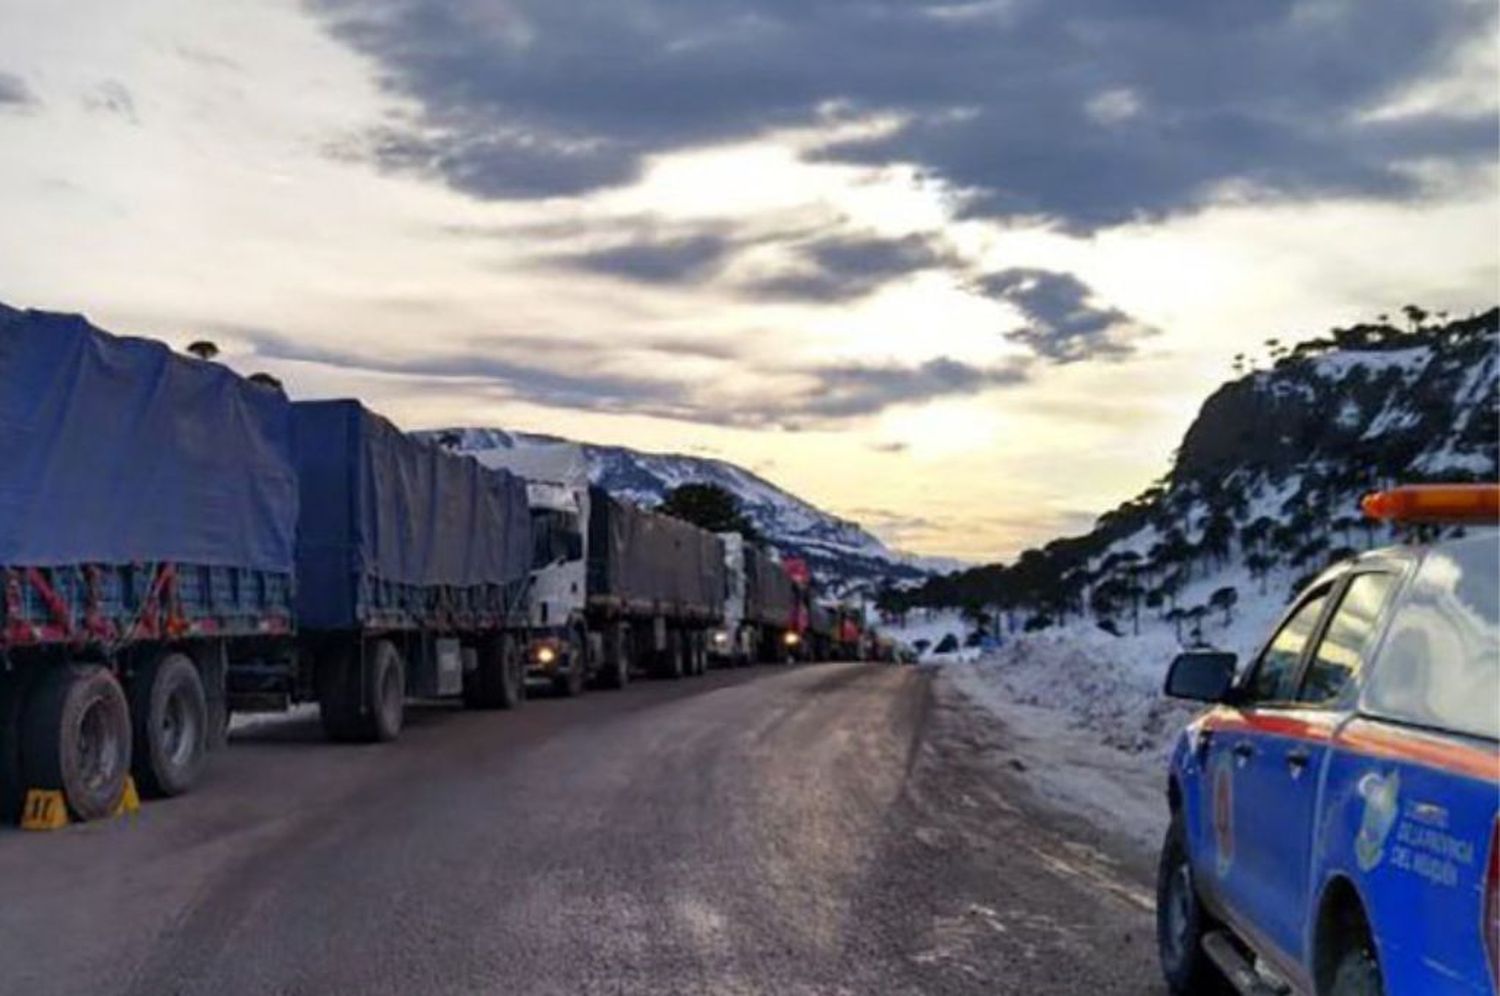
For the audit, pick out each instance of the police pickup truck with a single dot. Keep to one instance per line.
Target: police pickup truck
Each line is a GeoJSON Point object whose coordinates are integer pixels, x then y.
{"type": "Point", "coordinates": [1334, 811]}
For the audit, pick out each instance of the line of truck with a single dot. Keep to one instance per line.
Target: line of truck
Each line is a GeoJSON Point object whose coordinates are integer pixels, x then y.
{"type": "Point", "coordinates": [178, 543]}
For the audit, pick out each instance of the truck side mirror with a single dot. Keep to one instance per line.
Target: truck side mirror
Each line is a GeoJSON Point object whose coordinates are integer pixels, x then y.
{"type": "Point", "coordinates": [1201, 676]}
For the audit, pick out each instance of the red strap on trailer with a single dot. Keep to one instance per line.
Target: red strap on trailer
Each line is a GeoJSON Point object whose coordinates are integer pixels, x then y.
{"type": "Point", "coordinates": [62, 620]}
{"type": "Point", "coordinates": [17, 629]}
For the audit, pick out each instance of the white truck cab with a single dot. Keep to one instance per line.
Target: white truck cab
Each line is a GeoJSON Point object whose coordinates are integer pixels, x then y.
{"type": "Point", "coordinates": [557, 489]}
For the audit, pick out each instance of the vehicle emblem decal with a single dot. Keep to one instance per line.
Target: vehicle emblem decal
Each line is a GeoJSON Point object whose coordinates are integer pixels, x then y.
{"type": "Point", "coordinates": [1382, 804]}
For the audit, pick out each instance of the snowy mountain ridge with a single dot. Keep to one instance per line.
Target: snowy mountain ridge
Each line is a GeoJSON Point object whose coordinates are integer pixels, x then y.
{"type": "Point", "coordinates": [1265, 489]}
{"type": "Point", "coordinates": [842, 554]}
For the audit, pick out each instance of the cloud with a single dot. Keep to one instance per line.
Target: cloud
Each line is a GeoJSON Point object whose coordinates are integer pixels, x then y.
{"type": "Point", "coordinates": [1063, 325]}
{"type": "Point", "coordinates": [846, 267]}
{"type": "Point", "coordinates": [685, 259]}
{"type": "Point", "coordinates": [112, 97]}
{"type": "Point", "coordinates": [15, 94]}
{"type": "Point", "coordinates": [1089, 114]}
{"type": "Point", "coordinates": [854, 390]}
{"type": "Point", "coordinates": [789, 398]}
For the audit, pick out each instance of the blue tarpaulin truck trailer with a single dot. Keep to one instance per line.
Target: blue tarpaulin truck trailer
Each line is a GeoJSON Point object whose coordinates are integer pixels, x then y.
{"type": "Point", "coordinates": [410, 564]}
{"type": "Point", "coordinates": [148, 512]}
{"type": "Point", "coordinates": [176, 541]}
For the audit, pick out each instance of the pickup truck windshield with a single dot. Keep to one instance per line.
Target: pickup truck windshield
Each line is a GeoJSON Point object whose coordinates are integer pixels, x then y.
{"type": "Point", "coordinates": [1440, 664]}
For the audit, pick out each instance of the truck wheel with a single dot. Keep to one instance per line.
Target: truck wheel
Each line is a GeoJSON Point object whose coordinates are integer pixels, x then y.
{"type": "Point", "coordinates": [1182, 922]}
{"type": "Point", "coordinates": [671, 662]}
{"type": "Point", "coordinates": [385, 693]}
{"type": "Point", "coordinates": [496, 683]}
{"type": "Point", "coordinates": [616, 673]}
{"type": "Point", "coordinates": [338, 693]}
{"type": "Point", "coordinates": [570, 684]}
{"type": "Point", "coordinates": [169, 713]}
{"type": "Point", "coordinates": [76, 739]}
{"type": "Point", "coordinates": [12, 791]}
{"type": "Point", "coordinates": [700, 653]}
{"type": "Point", "coordinates": [1357, 974]}
{"type": "Point", "coordinates": [512, 672]}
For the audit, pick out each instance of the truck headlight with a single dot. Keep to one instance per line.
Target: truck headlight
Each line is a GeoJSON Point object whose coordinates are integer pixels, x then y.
{"type": "Point", "coordinates": [721, 637]}
{"type": "Point", "coordinates": [792, 638]}
{"type": "Point", "coordinates": [545, 655]}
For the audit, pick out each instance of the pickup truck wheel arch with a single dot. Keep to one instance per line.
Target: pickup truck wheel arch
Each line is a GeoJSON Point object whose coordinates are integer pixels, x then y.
{"type": "Point", "coordinates": [1345, 962]}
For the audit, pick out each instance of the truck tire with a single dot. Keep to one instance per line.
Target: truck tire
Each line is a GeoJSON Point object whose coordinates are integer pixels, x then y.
{"type": "Point", "coordinates": [339, 693]}
{"type": "Point", "coordinates": [698, 646]}
{"type": "Point", "coordinates": [1182, 922]}
{"type": "Point", "coordinates": [169, 716]}
{"type": "Point", "coordinates": [496, 683]}
{"type": "Point", "coordinates": [616, 671]}
{"type": "Point", "coordinates": [75, 738]}
{"type": "Point", "coordinates": [385, 693]}
{"type": "Point", "coordinates": [12, 791]}
{"type": "Point", "coordinates": [671, 664]}
{"type": "Point", "coordinates": [571, 683]}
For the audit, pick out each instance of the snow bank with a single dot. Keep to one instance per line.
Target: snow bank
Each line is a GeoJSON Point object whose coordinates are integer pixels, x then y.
{"type": "Point", "coordinates": [1091, 728]}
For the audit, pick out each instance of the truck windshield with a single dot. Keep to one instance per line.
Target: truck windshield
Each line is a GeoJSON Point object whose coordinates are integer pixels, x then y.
{"type": "Point", "coordinates": [554, 537]}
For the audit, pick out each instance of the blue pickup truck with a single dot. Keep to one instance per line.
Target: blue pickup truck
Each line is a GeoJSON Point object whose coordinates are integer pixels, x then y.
{"type": "Point", "coordinates": [1334, 821]}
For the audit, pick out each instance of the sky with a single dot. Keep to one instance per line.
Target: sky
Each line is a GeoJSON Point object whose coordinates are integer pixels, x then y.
{"type": "Point", "coordinates": [963, 271]}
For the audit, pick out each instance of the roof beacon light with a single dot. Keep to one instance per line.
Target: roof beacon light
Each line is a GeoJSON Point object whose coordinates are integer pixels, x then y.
{"type": "Point", "coordinates": [1436, 503]}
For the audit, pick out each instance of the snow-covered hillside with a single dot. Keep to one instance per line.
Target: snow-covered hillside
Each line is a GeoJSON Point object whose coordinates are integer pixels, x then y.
{"type": "Point", "coordinates": [842, 555]}
{"type": "Point", "coordinates": [1266, 485]}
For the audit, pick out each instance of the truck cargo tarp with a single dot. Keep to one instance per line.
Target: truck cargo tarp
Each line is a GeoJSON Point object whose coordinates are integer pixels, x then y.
{"type": "Point", "coordinates": [379, 504]}
{"type": "Point", "coordinates": [115, 450]}
{"type": "Point", "coordinates": [769, 596]}
{"type": "Point", "coordinates": [640, 556]}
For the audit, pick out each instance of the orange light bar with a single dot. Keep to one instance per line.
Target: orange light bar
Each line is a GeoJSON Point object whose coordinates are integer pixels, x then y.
{"type": "Point", "coordinates": [1435, 503]}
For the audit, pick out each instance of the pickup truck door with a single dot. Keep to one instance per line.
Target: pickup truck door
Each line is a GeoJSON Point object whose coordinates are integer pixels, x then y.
{"type": "Point", "coordinates": [1262, 776]}
{"type": "Point", "coordinates": [1289, 769]}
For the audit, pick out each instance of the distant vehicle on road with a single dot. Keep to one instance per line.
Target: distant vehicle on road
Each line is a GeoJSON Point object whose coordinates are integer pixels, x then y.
{"type": "Point", "coordinates": [1334, 812]}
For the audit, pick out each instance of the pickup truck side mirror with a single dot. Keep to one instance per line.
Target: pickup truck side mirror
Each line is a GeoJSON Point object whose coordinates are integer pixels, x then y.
{"type": "Point", "coordinates": [1201, 676]}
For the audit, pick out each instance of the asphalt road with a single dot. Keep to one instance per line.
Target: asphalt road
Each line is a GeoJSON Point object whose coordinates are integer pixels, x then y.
{"type": "Point", "coordinates": [839, 829]}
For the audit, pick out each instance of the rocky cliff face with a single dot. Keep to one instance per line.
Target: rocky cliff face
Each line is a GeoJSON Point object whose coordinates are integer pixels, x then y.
{"type": "Point", "coordinates": [1416, 404]}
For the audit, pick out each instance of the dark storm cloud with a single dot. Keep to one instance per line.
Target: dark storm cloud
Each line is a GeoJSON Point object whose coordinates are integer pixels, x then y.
{"type": "Point", "coordinates": [14, 93]}
{"type": "Point", "coordinates": [845, 267]}
{"type": "Point", "coordinates": [1089, 112]}
{"type": "Point", "coordinates": [1062, 324]}
{"type": "Point", "coordinates": [686, 259]}
{"type": "Point", "coordinates": [822, 395]}
{"type": "Point", "coordinates": [851, 391]}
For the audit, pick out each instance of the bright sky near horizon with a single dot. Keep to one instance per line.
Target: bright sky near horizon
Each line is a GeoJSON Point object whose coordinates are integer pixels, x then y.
{"type": "Point", "coordinates": [963, 271]}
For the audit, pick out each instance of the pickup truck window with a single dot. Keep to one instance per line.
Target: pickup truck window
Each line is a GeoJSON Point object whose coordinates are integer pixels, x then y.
{"type": "Point", "coordinates": [1347, 641]}
{"type": "Point", "coordinates": [1440, 663]}
{"type": "Point", "coordinates": [1275, 672]}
